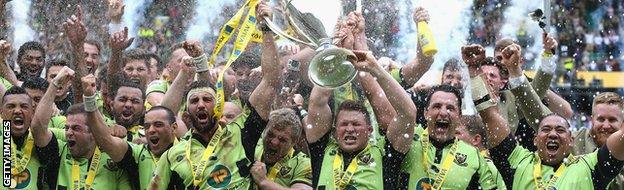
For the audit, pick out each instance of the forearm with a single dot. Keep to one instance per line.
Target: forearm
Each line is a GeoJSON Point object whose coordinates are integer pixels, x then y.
{"type": "Point", "coordinates": [384, 113]}
{"type": "Point", "coordinates": [615, 144]}
{"type": "Point", "coordinates": [319, 114]}
{"type": "Point", "coordinates": [416, 68]}
{"type": "Point", "coordinates": [304, 57]}
{"type": "Point", "coordinates": [114, 65]}
{"type": "Point", "coordinates": [544, 75]}
{"type": "Point", "coordinates": [262, 97]}
{"type": "Point", "coordinates": [528, 101]}
{"type": "Point", "coordinates": [497, 126]}
{"type": "Point", "coordinates": [8, 74]}
{"type": "Point", "coordinates": [114, 147]}
{"type": "Point", "coordinates": [42, 116]}
{"type": "Point", "coordinates": [79, 72]}
{"type": "Point", "coordinates": [175, 95]}
{"type": "Point", "coordinates": [558, 105]}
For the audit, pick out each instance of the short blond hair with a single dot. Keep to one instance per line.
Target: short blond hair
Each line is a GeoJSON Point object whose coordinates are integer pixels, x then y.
{"type": "Point", "coordinates": [609, 98]}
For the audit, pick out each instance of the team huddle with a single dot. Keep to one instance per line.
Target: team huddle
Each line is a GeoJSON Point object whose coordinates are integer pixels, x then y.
{"type": "Point", "coordinates": [142, 122]}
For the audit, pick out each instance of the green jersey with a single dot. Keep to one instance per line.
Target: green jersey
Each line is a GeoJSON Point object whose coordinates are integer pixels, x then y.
{"type": "Point", "coordinates": [5, 83]}
{"type": "Point", "coordinates": [362, 171]}
{"type": "Point", "coordinates": [60, 165]}
{"type": "Point", "coordinates": [589, 171]}
{"type": "Point", "coordinates": [227, 167]}
{"type": "Point", "coordinates": [139, 163]}
{"type": "Point", "coordinates": [451, 165]}
{"type": "Point", "coordinates": [27, 178]}
{"type": "Point", "coordinates": [293, 168]}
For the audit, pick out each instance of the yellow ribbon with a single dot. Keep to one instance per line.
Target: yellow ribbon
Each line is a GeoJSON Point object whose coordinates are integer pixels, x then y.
{"type": "Point", "coordinates": [341, 179]}
{"type": "Point", "coordinates": [439, 178]}
{"type": "Point", "coordinates": [93, 168]}
{"type": "Point", "coordinates": [537, 173]}
{"type": "Point", "coordinates": [242, 39]}
{"type": "Point", "coordinates": [278, 166]}
{"type": "Point", "coordinates": [198, 170]}
{"type": "Point", "coordinates": [21, 164]}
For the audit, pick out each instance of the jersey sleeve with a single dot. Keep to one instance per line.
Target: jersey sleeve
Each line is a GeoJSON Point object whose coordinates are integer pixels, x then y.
{"type": "Point", "coordinates": [607, 167]}
{"type": "Point", "coordinates": [506, 157]}
{"type": "Point", "coordinates": [303, 171]}
{"type": "Point", "coordinates": [391, 161]}
{"type": "Point", "coordinates": [6, 83]}
{"type": "Point", "coordinates": [53, 161]}
{"type": "Point", "coordinates": [162, 173]}
{"type": "Point", "coordinates": [317, 152]}
{"type": "Point", "coordinates": [130, 165]}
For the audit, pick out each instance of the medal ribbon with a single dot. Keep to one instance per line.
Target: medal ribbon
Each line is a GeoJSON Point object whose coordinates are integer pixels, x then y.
{"type": "Point", "coordinates": [446, 164]}
{"type": "Point", "coordinates": [93, 168]}
{"type": "Point", "coordinates": [198, 169]}
{"type": "Point", "coordinates": [341, 179]}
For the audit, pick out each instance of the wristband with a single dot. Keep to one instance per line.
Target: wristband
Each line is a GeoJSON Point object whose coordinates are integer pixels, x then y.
{"type": "Point", "coordinates": [548, 65]}
{"type": "Point", "coordinates": [200, 63]}
{"type": "Point", "coordinates": [516, 82]}
{"type": "Point", "coordinates": [480, 94]}
{"type": "Point", "coordinates": [90, 104]}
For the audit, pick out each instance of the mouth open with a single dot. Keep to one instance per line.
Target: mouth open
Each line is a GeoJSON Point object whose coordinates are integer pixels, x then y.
{"type": "Point", "coordinates": [18, 121]}
{"type": "Point", "coordinates": [126, 114]}
{"type": "Point", "coordinates": [350, 139]}
{"type": "Point", "coordinates": [442, 125]}
{"type": "Point", "coordinates": [71, 143]}
{"type": "Point", "coordinates": [135, 80]}
{"type": "Point", "coordinates": [552, 147]}
{"type": "Point", "coordinates": [202, 116]}
{"type": "Point", "coordinates": [154, 140]}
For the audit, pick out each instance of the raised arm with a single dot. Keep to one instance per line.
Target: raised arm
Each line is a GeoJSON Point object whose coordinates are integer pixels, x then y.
{"type": "Point", "coordinates": [5, 70]}
{"type": "Point", "coordinates": [262, 97]}
{"type": "Point", "coordinates": [76, 32]}
{"type": "Point", "coordinates": [118, 42]}
{"type": "Point", "coordinates": [384, 113]}
{"type": "Point", "coordinates": [44, 111]}
{"type": "Point", "coordinates": [528, 101]}
{"type": "Point", "coordinates": [319, 114]}
{"type": "Point", "coordinates": [115, 147]}
{"type": "Point", "coordinates": [418, 66]}
{"type": "Point", "coordinates": [175, 95]}
{"type": "Point", "coordinates": [200, 61]}
{"type": "Point", "coordinates": [401, 130]}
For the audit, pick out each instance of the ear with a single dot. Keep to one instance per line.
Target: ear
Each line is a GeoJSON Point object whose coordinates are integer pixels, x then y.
{"type": "Point", "coordinates": [477, 139]}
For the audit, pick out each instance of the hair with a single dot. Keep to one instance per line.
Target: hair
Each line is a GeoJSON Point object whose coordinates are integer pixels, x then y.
{"type": "Point", "coordinates": [31, 45]}
{"type": "Point", "coordinates": [160, 65]}
{"type": "Point", "coordinates": [556, 115]}
{"type": "Point", "coordinates": [609, 98]}
{"type": "Point", "coordinates": [36, 83]}
{"type": "Point", "coordinates": [56, 62]}
{"type": "Point", "coordinates": [136, 54]}
{"type": "Point", "coordinates": [249, 59]}
{"type": "Point", "coordinates": [170, 115]}
{"type": "Point", "coordinates": [493, 62]}
{"type": "Point", "coordinates": [166, 57]}
{"type": "Point", "coordinates": [503, 43]}
{"type": "Point", "coordinates": [475, 126]}
{"type": "Point", "coordinates": [15, 90]}
{"type": "Point", "coordinates": [352, 105]}
{"type": "Point", "coordinates": [94, 43]}
{"type": "Point", "coordinates": [76, 109]}
{"type": "Point", "coordinates": [445, 88]}
{"type": "Point", "coordinates": [452, 65]}
{"type": "Point", "coordinates": [286, 118]}
{"type": "Point", "coordinates": [121, 80]}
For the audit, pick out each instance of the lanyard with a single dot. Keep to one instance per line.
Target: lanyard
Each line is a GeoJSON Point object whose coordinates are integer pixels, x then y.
{"type": "Point", "coordinates": [278, 166]}
{"type": "Point", "coordinates": [26, 154]}
{"type": "Point", "coordinates": [537, 173]}
{"type": "Point", "coordinates": [201, 166]}
{"type": "Point", "coordinates": [341, 179]}
{"type": "Point", "coordinates": [446, 164]}
{"type": "Point", "coordinates": [243, 37]}
{"type": "Point", "coordinates": [75, 172]}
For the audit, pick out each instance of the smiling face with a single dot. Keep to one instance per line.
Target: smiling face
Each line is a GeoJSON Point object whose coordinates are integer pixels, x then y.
{"type": "Point", "coordinates": [128, 106]}
{"type": "Point", "coordinates": [453, 78]}
{"type": "Point", "coordinates": [31, 63]}
{"type": "Point", "coordinates": [18, 108]}
{"type": "Point", "coordinates": [606, 120]}
{"type": "Point", "coordinates": [200, 109]}
{"type": "Point", "coordinates": [159, 131]}
{"type": "Point", "coordinates": [442, 116]}
{"type": "Point", "coordinates": [553, 139]}
{"type": "Point", "coordinates": [79, 139]}
{"type": "Point", "coordinates": [91, 56]}
{"type": "Point", "coordinates": [137, 71]}
{"type": "Point", "coordinates": [352, 131]}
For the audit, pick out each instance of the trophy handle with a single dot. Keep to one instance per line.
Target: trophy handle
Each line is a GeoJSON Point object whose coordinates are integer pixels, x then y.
{"type": "Point", "coordinates": [281, 33]}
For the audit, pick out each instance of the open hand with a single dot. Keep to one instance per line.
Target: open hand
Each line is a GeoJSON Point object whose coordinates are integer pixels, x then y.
{"type": "Point", "coordinates": [5, 49]}
{"type": "Point", "coordinates": [116, 9]}
{"type": "Point", "coordinates": [119, 40]}
{"type": "Point", "coordinates": [75, 29]}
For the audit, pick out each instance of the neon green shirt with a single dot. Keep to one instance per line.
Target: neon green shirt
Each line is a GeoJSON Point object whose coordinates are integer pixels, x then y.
{"type": "Point", "coordinates": [294, 169]}
{"type": "Point", "coordinates": [467, 165]}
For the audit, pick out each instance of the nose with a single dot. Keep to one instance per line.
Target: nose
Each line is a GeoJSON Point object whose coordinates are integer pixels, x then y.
{"type": "Point", "coordinates": [223, 120]}
{"type": "Point", "coordinates": [274, 142]}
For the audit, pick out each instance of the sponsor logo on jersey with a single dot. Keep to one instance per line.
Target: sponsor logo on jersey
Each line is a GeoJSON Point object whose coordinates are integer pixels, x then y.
{"type": "Point", "coordinates": [21, 180]}
{"type": "Point", "coordinates": [460, 159]}
{"type": "Point", "coordinates": [219, 177]}
{"type": "Point", "coordinates": [424, 184]}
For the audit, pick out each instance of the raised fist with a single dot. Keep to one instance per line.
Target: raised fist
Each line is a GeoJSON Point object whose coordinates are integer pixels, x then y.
{"type": "Point", "coordinates": [5, 49]}
{"type": "Point", "coordinates": [420, 14]}
{"type": "Point", "coordinates": [88, 85]}
{"type": "Point", "coordinates": [64, 77]}
{"type": "Point", "coordinates": [193, 48]}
